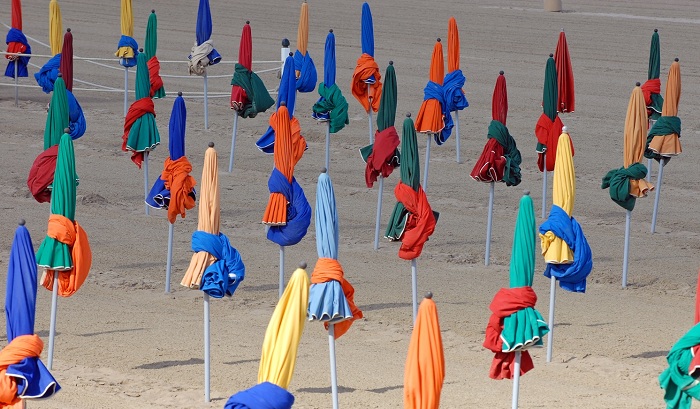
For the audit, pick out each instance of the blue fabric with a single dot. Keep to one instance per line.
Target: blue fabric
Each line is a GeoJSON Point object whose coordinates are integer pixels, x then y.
{"type": "Point", "coordinates": [435, 91]}
{"type": "Point", "coordinates": [262, 396]}
{"type": "Point", "coordinates": [571, 277]}
{"type": "Point", "coordinates": [16, 36]}
{"type": "Point", "coordinates": [48, 73]}
{"type": "Point", "coordinates": [32, 377]}
{"type": "Point", "coordinates": [76, 118]}
{"type": "Point", "coordinates": [454, 96]}
{"type": "Point", "coordinates": [126, 41]}
{"type": "Point", "coordinates": [226, 273]}
{"type": "Point", "coordinates": [326, 217]}
{"type": "Point", "coordinates": [204, 29]}
{"type": "Point", "coordinates": [307, 72]}
{"type": "Point", "coordinates": [367, 30]}
{"type": "Point", "coordinates": [287, 93]}
{"type": "Point", "coordinates": [329, 64]}
{"type": "Point", "coordinates": [327, 303]}
{"type": "Point", "coordinates": [298, 211]}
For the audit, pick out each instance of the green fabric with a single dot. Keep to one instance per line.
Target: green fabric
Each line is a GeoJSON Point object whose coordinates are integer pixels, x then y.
{"type": "Point", "coordinates": [53, 254]}
{"type": "Point", "coordinates": [654, 57]}
{"type": "Point", "coordinates": [525, 327]}
{"type": "Point", "coordinates": [618, 180]}
{"type": "Point", "coordinates": [144, 135]}
{"type": "Point", "coordinates": [675, 378]}
{"type": "Point", "coordinates": [511, 173]}
{"type": "Point", "coordinates": [366, 151]}
{"type": "Point", "coordinates": [57, 120]}
{"type": "Point", "coordinates": [410, 175]}
{"type": "Point", "coordinates": [665, 125]}
{"type": "Point", "coordinates": [151, 46]}
{"type": "Point", "coordinates": [657, 104]}
{"type": "Point", "coordinates": [550, 93]}
{"type": "Point", "coordinates": [386, 116]}
{"type": "Point", "coordinates": [259, 100]}
{"type": "Point", "coordinates": [333, 103]}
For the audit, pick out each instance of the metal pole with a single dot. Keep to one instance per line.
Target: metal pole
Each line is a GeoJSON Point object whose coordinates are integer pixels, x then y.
{"type": "Point", "coordinates": [281, 270]}
{"type": "Point", "coordinates": [145, 181]}
{"type": "Point", "coordinates": [649, 163]}
{"type": "Point", "coordinates": [489, 222]}
{"type": "Point", "coordinates": [414, 287]}
{"type": "Point", "coordinates": [427, 163]}
{"type": "Point", "coordinates": [627, 248]}
{"type": "Point", "coordinates": [328, 146]}
{"type": "Point", "coordinates": [516, 379]}
{"type": "Point", "coordinates": [207, 351]}
{"type": "Point", "coordinates": [379, 212]}
{"type": "Point", "coordinates": [544, 188]}
{"type": "Point", "coordinates": [662, 163]}
{"type": "Point", "coordinates": [126, 90]}
{"type": "Point", "coordinates": [233, 140]}
{"type": "Point", "coordinates": [16, 60]}
{"type": "Point", "coordinates": [369, 98]}
{"type": "Point", "coordinates": [52, 325]}
{"type": "Point", "coordinates": [459, 153]}
{"type": "Point", "coordinates": [206, 102]}
{"type": "Point", "coordinates": [550, 335]}
{"type": "Point", "coordinates": [169, 264]}
{"type": "Point", "coordinates": [334, 372]}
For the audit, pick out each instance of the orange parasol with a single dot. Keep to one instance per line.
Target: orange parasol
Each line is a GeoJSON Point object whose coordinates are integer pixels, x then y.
{"type": "Point", "coordinates": [634, 140]}
{"type": "Point", "coordinates": [669, 144]}
{"type": "Point", "coordinates": [430, 119]}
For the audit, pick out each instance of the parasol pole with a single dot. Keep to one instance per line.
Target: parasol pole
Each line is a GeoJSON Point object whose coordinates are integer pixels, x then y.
{"type": "Point", "coordinates": [662, 163]}
{"type": "Point", "coordinates": [334, 372]}
{"type": "Point", "coordinates": [283, 55]}
{"type": "Point", "coordinates": [369, 99]}
{"type": "Point", "coordinates": [169, 263]}
{"type": "Point", "coordinates": [627, 248]}
{"type": "Point", "coordinates": [414, 288]}
{"type": "Point", "coordinates": [207, 352]}
{"type": "Point", "coordinates": [544, 186]}
{"type": "Point", "coordinates": [489, 222]}
{"type": "Point", "coordinates": [550, 335]}
{"type": "Point", "coordinates": [16, 60]}
{"type": "Point", "coordinates": [459, 157]}
{"type": "Point", "coordinates": [379, 212]}
{"type": "Point", "coordinates": [145, 180]}
{"type": "Point", "coordinates": [328, 145]}
{"type": "Point", "coordinates": [126, 89]}
{"type": "Point", "coordinates": [281, 270]}
{"type": "Point", "coordinates": [516, 379]}
{"type": "Point", "coordinates": [427, 164]}
{"type": "Point", "coordinates": [52, 325]}
{"type": "Point", "coordinates": [206, 101]}
{"type": "Point", "coordinates": [233, 141]}
{"type": "Point", "coordinates": [649, 160]}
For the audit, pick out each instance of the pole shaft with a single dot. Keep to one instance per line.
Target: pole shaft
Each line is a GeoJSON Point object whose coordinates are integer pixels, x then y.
{"type": "Point", "coordinates": [52, 325]}
{"type": "Point", "coordinates": [379, 212]}
{"type": "Point", "coordinates": [207, 351]}
{"type": "Point", "coordinates": [334, 372]}
{"type": "Point", "coordinates": [459, 151]}
{"type": "Point", "coordinates": [281, 271]}
{"type": "Point", "coordinates": [414, 288]}
{"type": "Point", "coordinates": [169, 263]}
{"type": "Point", "coordinates": [426, 166]}
{"type": "Point", "coordinates": [625, 258]}
{"type": "Point", "coordinates": [145, 181]}
{"type": "Point", "coordinates": [516, 379]}
{"type": "Point", "coordinates": [544, 187]}
{"type": "Point", "coordinates": [328, 146]}
{"type": "Point", "coordinates": [371, 131]}
{"type": "Point", "coordinates": [233, 141]}
{"type": "Point", "coordinates": [16, 61]}
{"type": "Point", "coordinates": [489, 222]}
{"type": "Point", "coordinates": [659, 176]}
{"type": "Point", "coordinates": [649, 163]}
{"type": "Point", "coordinates": [126, 90]}
{"type": "Point", "coordinates": [550, 335]}
{"type": "Point", "coordinates": [206, 102]}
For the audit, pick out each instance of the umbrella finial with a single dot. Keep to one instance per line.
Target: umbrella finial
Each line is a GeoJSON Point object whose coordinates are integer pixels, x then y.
{"type": "Point", "coordinates": [247, 21]}
{"type": "Point", "coordinates": [429, 295]}
{"type": "Point", "coordinates": [526, 192]}
{"type": "Point", "coordinates": [637, 83]}
{"type": "Point", "coordinates": [562, 29]}
{"type": "Point", "coordinates": [153, 10]}
{"type": "Point", "coordinates": [324, 170]}
{"type": "Point", "coordinates": [211, 144]}
{"type": "Point", "coordinates": [68, 29]}
{"type": "Point", "coordinates": [291, 54]}
{"type": "Point", "coordinates": [302, 265]}
{"type": "Point", "coordinates": [179, 93]}
{"type": "Point", "coordinates": [675, 59]}
{"type": "Point", "coordinates": [438, 39]}
{"type": "Point", "coordinates": [140, 50]}
{"type": "Point", "coordinates": [330, 31]}
{"type": "Point", "coordinates": [564, 129]}
{"type": "Point", "coordinates": [59, 75]}
{"type": "Point", "coordinates": [551, 55]}
{"type": "Point", "coordinates": [285, 43]}
{"type": "Point", "coordinates": [66, 130]}
{"type": "Point", "coordinates": [501, 72]}
{"type": "Point", "coordinates": [408, 114]}
{"type": "Point", "coordinates": [283, 103]}
{"type": "Point", "coordinates": [656, 30]}
{"type": "Point", "coordinates": [22, 222]}
{"type": "Point", "coordinates": [391, 63]}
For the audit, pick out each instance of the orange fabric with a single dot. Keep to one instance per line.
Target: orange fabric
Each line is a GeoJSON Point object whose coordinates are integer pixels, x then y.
{"type": "Point", "coordinates": [367, 67]}
{"type": "Point", "coordinates": [420, 223]}
{"type": "Point", "coordinates": [669, 145]}
{"type": "Point", "coordinates": [289, 148]}
{"type": "Point", "coordinates": [23, 346]}
{"type": "Point", "coordinates": [176, 175]}
{"type": "Point", "coordinates": [635, 139]}
{"type": "Point", "coordinates": [328, 269]}
{"type": "Point", "coordinates": [565, 76]}
{"type": "Point", "coordinates": [303, 29]}
{"type": "Point", "coordinates": [548, 133]}
{"type": "Point", "coordinates": [452, 45]}
{"type": "Point", "coordinates": [154, 75]}
{"type": "Point", "coordinates": [429, 119]}
{"type": "Point", "coordinates": [437, 64]}
{"type": "Point", "coordinates": [138, 108]}
{"type": "Point", "coordinates": [70, 233]}
{"type": "Point", "coordinates": [425, 362]}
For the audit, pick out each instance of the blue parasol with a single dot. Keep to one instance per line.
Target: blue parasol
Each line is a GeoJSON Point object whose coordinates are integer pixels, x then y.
{"type": "Point", "coordinates": [367, 35]}
{"type": "Point", "coordinates": [204, 29]}
{"type": "Point", "coordinates": [287, 93]}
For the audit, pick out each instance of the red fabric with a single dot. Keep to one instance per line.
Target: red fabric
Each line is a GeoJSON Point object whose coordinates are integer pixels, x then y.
{"type": "Point", "coordinates": [565, 76]}
{"type": "Point", "coordinates": [491, 165]}
{"type": "Point", "coordinates": [652, 86]}
{"type": "Point", "coordinates": [14, 47]}
{"type": "Point", "coordinates": [139, 108]}
{"type": "Point", "coordinates": [154, 75]}
{"type": "Point", "coordinates": [17, 14]}
{"type": "Point", "coordinates": [499, 101]}
{"type": "Point", "coordinates": [245, 48]}
{"type": "Point", "coordinates": [548, 133]}
{"type": "Point", "coordinates": [176, 175]}
{"type": "Point", "coordinates": [379, 161]}
{"type": "Point", "coordinates": [366, 67]}
{"type": "Point", "coordinates": [507, 301]}
{"type": "Point", "coordinates": [695, 363]}
{"type": "Point", "coordinates": [66, 64]}
{"type": "Point", "coordinates": [420, 223]}
{"type": "Point", "coordinates": [23, 346]}
{"type": "Point", "coordinates": [238, 98]}
{"type": "Point", "coordinates": [41, 174]}
{"type": "Point", "coordinates": [328, 269]}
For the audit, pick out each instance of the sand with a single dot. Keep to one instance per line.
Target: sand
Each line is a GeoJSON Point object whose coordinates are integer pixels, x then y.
{"type": "Point", "coordinates": [123, 343]}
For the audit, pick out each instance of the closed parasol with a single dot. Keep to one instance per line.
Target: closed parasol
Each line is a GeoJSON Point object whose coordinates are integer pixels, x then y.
{"type": "Point", "coordinates": [127, 48]}
{"type": "Point", "coordinates": [454, 80]}
{"type": "Point", "coordinates": [17, 43]}
{"type": "Point", "coordinates": [366, 85]}
{"type": "Point", "coordinates": [285, 95]}
{"type": "Point", "coordinates": [55, 27]}
{"type": "Point", "coordinates": [566, 101]}
{"type": "Point", "coordinates": [150, 49]}
{"type": "Point", "coordinates": [304, 67]}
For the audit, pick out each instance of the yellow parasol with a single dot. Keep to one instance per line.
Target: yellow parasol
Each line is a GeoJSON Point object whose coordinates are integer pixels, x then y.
{"type": "Point", "coordinates": [127, 23]}
{"type": "Point", "coordinates": [303, 31]}
{"type": "Point", "coordinates": [636, 125]}
{"type": "Point", "coordinates": [279, 351]}
{"type": "Point", "coordinates": [55, 27]}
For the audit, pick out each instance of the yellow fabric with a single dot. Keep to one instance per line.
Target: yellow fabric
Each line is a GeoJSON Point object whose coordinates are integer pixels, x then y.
{"type": "Point", "coordinates": [279, 351]}
{"type": "Point", "coordinates": [635, 139]}
{"type": "Point", "coordinates": [209, 218]}
{"type": "Point", "coordinates": [127, 23]}
{"type": "Point", "coordinates": [554, 249]}
{"type": "Point", "coordinates": [669, 145]}
{"type": "Point", "coordinates": [55, 27]}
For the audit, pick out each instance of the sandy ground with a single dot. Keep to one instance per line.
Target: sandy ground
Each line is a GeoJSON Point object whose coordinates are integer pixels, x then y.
{"type": "Point", "coordinates": [123, 343]}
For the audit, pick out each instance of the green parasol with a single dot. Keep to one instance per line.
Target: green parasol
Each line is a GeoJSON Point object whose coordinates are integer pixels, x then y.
{"type": "Point", "coordinates": [680, 386]}
{"type": "Point", "coordinates": [259, 99]}
{"type": "Point", "coordinates": [143, 135]}
{"type": "Point", "coordinates": [386, 116]}
{"type": "Point", "coordinates": [151, 46]}
{"type": "Point", "coordinates": [657, 101]}
{"type": "Point", "coordinates": [57, 120]}
{"type": "Point", "coordinates": [53, 254]}
{"type": "Point", "coordinates": [549, 94]}
{"type": "Point", "coordinates": [410, 175]}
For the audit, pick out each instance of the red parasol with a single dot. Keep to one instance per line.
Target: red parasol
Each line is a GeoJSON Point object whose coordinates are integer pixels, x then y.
{"type": "Point", "coordinates": [565, 76]}
{"type": "Point", "coordinates": [66, 66]}
{"type": "Point", "coordinates": [245, 58]}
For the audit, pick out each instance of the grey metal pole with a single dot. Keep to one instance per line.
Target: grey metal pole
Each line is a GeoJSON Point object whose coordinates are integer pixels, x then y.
{"type": "Point", "coordinates": [233, 141]}
{"type": "Point", "coordinates": [328, 146]}
{"type": "Point", "coordinates": [544, 188]}
{"type": "Point", "coordinates": [206, 102]}
{"type": "Point", "coordinates": [489, 222]}
{"type": "Point", "coordinates": [52, 325]}
{"type": "Point", "coordinates": [379, 212]}
{"type": "Point", "coordinates": [659, 176]}
{"type": "Point", "coordinates": [169, 263]}
{"type": "Point", "coordinates": [427, 163]}
{"type": "Point", "coordinates": [281, 271]}
{"type": "Point", "coordinates": [207, 351]}
{"type": "Point", "coordinates": [334, 372]}
{"type": "Point", "coordinates": [371, 131]}
{"type": "Point", "coordinates": [550, 335]}
{"type": "Point", "coordinates": [625, 261]}
{"type": "Point", "coordinates": [145, 181]}
{"type": "Point", "coordinates": [16, 82]}
{"type": "Point", "coordinates": [126, 90]}
{"type": "Point", "coordinates": [414, 287]}
{"type": "Point", "coordinates": [516, 379]}
{"type": "Point", "coordinates": [459, 152]}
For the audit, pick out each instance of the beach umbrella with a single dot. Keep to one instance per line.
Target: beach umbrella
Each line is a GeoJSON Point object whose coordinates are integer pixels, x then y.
{"type": "Point", "coordinates": [304, 67]}
{"type": "Point", "coordinates": [216, 267]}
{"type": "Point", "coordinates": [627, 183]}
{"type": "Point", "coordinates": [433, 116]}
{"type": "Point", "coordinates": [286, 94]}
{"type": "Point", "coordinates": [424, 372]}
{"type": "Point", "coordinates": [76, 117]}
{"type": "Point", "coordinates": [288, 212]}
{"type": "Point", "coordinates": [366, 83]}
{"type": "Point", "coordinates": [174, 189]}
{"type": "Point", "coordinates": [454, 80]}
{"type": "Point", "coordinates": [279, 350]}
{"type": "Point", "coordinates": [652, 88]}
{"type": "Point", "coordinates": [515, 325]}
{"type": "Point", "coordinates": [564, 246]}
{"type": "Point", "coordinates": [203, 52]}
{"type": "Point", "coordinates": [332, 107]}
{"type": "Point", "coordinates": [66, 65]}
{"type": "Point", "coordinates": [412, 220]}
{"type": "Point", "coordinates": [382, 156]}
{"type": "Point", "coordinates": [55, 27]}
{"type": "Point", "coordinates": [267, 394]}
{"type": "Point", "coordinates": [663, 140]}
{"type": "Point", "coordinates": [249, 96]}
{"type": "Point", "coordinates": [150, 48]}
{"type": "Point", "coordinates": [65, 252]}
{"type": "Point", "coordinates": [24, 376]}
{"type": "Point", "coordinates": [140, 131]}
{"type": "Point", "coordinates": [331, 296]}
{"type": "Point", "coordinates": [500, 160]}
{"type": "Point", "coordinates": [17, 43]}
{"type": "Point", "coordinates": [57, 119]}
{"type": "Point", "coordinates": [127, 48]}
{"type": "Point", "coordinates": [566, 101]}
